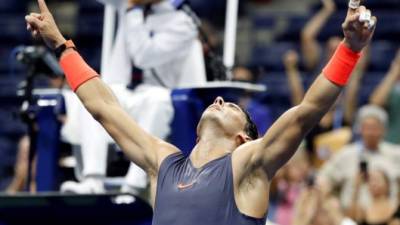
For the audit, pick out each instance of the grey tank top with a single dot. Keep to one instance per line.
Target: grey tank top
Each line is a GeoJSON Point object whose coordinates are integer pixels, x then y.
{"type": "Point", "coordinates": [190, 196]}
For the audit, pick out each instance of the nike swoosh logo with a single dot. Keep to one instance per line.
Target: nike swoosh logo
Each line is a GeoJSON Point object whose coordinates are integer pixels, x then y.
{"type": "Point", "coordinates": [185, 186]}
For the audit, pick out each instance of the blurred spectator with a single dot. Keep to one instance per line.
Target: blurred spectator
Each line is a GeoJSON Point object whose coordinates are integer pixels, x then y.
{"type": "Point", "coordinates": [260, 113]}
{"type": "Point", "coordinates": [291, 60]}
{"type": "Point", "coordinates": [312, 52]}
{"type": "Point", "coordinates": [290, 183]}
{"type": "Point", "coordinates": [387, 95]}
{"type": "Point", "coordinates": [381, 208]}
{"type": "Point", "coordinates": [19, 180]}
{"type": "Point", "coordinates": [371, 152]}
{"type": "Point", "coordinates": [315, 208]}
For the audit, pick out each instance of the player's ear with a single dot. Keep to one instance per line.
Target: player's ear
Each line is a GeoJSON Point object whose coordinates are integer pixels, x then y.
{"type": "Point", "coordinates": [242, 138]}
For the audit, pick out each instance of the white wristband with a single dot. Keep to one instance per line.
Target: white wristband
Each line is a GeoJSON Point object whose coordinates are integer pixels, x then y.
{"type": "Point", "coordinates": [365, 16]}
{"type": "Point", "coordinates": [354, 4]}
{"type": "Point", "coordinates": [371, 23]}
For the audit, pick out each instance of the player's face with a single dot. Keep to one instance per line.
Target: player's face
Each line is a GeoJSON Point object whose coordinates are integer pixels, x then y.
{"type": "Point", "coordinates": [225, 115]}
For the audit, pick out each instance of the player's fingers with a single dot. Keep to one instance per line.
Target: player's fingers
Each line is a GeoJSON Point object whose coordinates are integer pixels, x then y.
{"type": "Point", "coordinates": [350, 21]}
{"type": "Point", "coordinates": [33, 21]}
{"type": "Point", "coordinates": [353, 5]}
{"type": "Point", "coordinates": [35, 34]}
{"type": "Point", "coordinates": [372, 23]}
{"type": "Point", "coordinates": [37, 15]}
{"type": "Point", "coordinates": [362, 9]}
{"type": "Point", "coordinates": [365, 16]}
{"type": "Point", "coordinates": [42, 6]}
{"type": "Point", "coordinates": [358, 18]}
{"type": "Point", "coordinates": [354, 18]}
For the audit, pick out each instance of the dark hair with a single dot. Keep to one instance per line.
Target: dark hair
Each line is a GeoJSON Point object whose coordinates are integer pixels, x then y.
{"type": "Point", "coordinates": [250, 128]}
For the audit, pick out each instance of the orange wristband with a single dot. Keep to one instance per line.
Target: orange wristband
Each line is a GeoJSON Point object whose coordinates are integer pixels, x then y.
{"type": "Point", "coordinates": [76, 70]}
{"type": "Point", "coordinates": [341, 65]}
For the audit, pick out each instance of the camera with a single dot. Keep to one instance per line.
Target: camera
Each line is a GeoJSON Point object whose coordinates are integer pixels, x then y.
{"type": "Point", "coordinates": [39, 61]}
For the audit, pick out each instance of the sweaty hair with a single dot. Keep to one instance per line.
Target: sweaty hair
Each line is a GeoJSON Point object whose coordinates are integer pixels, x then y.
{"type": "Point", "coordinates": [250, 128]}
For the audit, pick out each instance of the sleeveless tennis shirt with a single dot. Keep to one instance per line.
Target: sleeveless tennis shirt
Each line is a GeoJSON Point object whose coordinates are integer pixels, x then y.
{"type": "Point", "coordinates": [197, 196]}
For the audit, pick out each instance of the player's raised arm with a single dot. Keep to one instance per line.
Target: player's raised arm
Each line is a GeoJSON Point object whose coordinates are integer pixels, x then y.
{"type": "Point", "coordinates": [143, 149]}
{"type": "Point", "coordinates": [283, 138]}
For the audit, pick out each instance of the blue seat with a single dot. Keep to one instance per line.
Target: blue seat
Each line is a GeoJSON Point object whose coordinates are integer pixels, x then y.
{"type": "Point", "coordinates": [263, 21]}
{"type": "Point", "coordinates": [92, 54]}
{"type": "Point", "coordinates": [333, 27]}
{"type": "Point", "coordinates": [11, 124]}
{"type": "Point", "coordinates": [188, 109]}
{"type": "Point", "coordinates": [381, 55]}
{"type": "Point", "coordinates": [90, 26]}
{"type": "Point", "coordinates": [388, 25]}
{"type": "Point", "coordinates": [374, 4]}
{"type": "Point", "coordinates": [270, 57]}
{"type": "Point", "coordinates": [13, 28]}
{"type": "Point", "coordinates": [277, 96]}
{"type": "Point", "coordinates": [7, 6]}
{"type": "Point", "coordinates": [294, 28]}
{"type": "Point", "coordinates": [88, 6]}
{"type": "Point", "coordinates": [369, 83]}
{"type": "Point", "coordinates": [210, 9]}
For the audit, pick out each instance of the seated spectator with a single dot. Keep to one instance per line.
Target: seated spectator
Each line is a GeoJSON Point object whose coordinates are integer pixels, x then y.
{"type": "Point", "coordinates": [381, 208]}
{"type": "Point", "coordinates": [387, 95]}
{"type": "Point", "coordinates": [18, 183]}
{"type": "Point", "coordinates": [341, 169]}
{"type": "Point", "coordinates": [292, 182]}
{"type": "Point", "coordinates": [315, 208]}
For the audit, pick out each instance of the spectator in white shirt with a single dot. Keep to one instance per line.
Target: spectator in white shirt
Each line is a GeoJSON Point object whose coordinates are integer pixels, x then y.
{"type": "Point", "coordinates": [372, 152]}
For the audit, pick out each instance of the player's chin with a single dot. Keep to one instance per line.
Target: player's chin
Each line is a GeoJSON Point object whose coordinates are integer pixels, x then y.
{"type": "Point", "coordinates": [211, 114]}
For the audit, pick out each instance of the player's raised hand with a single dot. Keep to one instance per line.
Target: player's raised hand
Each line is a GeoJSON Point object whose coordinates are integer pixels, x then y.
{"type": "Point", "coordinates": [43, 25]}
{"type": "Point", "coordinates": [359, 26]}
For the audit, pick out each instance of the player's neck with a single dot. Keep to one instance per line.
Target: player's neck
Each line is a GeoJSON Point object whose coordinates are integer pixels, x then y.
{"type": "Point", "coordinates": [211, 146]}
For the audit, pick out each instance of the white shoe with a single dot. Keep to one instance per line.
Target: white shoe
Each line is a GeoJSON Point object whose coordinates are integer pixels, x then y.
{"type": "Point", "coordinates": [88, 186]}
{"type": "Point", "coordinates": [128, 189]}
